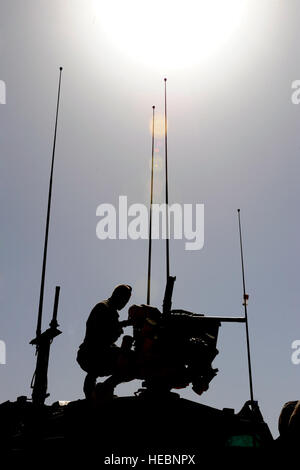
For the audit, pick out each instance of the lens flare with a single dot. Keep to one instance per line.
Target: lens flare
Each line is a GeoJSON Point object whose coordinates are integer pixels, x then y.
{"type": "Point", "coordinates": [159, 126]}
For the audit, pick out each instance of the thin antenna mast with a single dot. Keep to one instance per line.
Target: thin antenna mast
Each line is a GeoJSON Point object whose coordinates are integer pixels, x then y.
{"type": "Point", "coordinates": [167, 191]}
{"type": "Point", "coordinates": [150, 217]}
{"type": "Point", "coordinates": [245, 303]}
{"type": "Point", "coordinates": [40, 311]}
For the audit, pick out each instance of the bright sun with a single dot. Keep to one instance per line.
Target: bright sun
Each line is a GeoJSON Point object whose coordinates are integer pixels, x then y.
{"type": "Point", "coordinates": [170, 33]}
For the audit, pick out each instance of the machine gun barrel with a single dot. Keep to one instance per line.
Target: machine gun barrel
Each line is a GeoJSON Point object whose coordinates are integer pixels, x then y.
{"type": "Point", "coordinates": [225, 319]}
{"type": "Point", "coordinates": [211, 317]}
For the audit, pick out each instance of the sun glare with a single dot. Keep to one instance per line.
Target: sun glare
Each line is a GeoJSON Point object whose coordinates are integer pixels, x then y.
{"type": "Point", "coordinates": [170, 33]}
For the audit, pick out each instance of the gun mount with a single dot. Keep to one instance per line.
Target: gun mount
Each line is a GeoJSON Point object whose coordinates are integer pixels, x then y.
{"type": "Point", "coordinates": [43, 342]}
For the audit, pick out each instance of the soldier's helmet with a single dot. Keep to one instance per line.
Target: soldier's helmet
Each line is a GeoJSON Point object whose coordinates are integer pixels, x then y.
{"type": "Point", "coordinates": [121, 294]}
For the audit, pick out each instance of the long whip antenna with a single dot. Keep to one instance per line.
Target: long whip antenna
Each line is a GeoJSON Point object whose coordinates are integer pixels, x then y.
{"type": "Point", "coordinates": [245, 303]}
{"type": "Point", "coordinates": [167, 191]}
{"type": "Point", "coordinates": [40, 311]}
{"type": "Point", "coordinates": [150, 217]}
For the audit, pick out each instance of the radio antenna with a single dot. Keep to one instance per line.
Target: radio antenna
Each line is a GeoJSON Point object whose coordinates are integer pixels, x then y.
{"type": "Point", "coordinates": [245, 304]}
{"type": "Point", "coordinates": [167, 191]}
{"type": "Point", "coordinates": [40, 311]}
{"type": "Point", "coordinates": [150, 216]}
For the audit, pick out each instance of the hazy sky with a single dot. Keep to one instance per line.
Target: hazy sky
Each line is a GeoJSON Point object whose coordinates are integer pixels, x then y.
{"type": "Point", "coordinates": [233, 142]}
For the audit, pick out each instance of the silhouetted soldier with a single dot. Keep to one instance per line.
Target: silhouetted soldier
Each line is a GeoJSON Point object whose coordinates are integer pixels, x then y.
{"type": "Point", "coordinates": [289, 427]}
{"type": "Point", "coordinates": [98, 355]}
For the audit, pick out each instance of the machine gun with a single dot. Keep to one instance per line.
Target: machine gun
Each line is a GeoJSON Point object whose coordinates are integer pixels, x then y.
{"type": "Point", "coordinates": [175, 347]}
